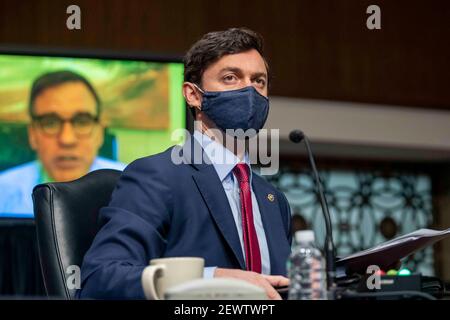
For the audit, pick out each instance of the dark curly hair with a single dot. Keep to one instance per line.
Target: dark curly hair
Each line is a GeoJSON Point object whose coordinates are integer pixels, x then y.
{"type": "Point", "coordinates": [53, 79]}
{"type": "Point", "coordinates": [214, 45]}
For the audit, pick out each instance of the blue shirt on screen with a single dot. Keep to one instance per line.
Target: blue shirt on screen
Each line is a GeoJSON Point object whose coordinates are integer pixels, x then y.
{"type": "Point", "coordinates": [17, 183]}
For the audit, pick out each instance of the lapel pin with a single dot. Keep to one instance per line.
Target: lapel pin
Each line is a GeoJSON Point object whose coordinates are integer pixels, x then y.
{"type": "Point", "coordinates": [271, 197]}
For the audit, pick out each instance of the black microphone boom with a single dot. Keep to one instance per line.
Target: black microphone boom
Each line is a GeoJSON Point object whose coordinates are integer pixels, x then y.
{"type": "Point", "coordinates": [297, 136]}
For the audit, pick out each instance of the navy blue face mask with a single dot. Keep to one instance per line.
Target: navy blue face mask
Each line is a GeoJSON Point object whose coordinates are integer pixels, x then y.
{"type": "Point", "coordinates": [242, 109]}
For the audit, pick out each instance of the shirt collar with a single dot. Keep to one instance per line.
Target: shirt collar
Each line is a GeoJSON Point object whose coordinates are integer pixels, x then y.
{"type": "Point", "coordinates": [43, 176]}
{"type": "Point", "coordinates": [221, 158]}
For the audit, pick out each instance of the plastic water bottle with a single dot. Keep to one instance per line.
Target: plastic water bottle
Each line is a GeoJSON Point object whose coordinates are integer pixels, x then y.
{"type": "Point", "coordinates": [306, 268]}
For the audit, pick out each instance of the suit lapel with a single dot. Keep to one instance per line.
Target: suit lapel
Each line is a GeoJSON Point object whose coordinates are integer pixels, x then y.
{"type": "Point", "coordinates": [273, 225]}
{"type": "Point", "coordinates": [212, 192]}
{"type": "Point", "coordinates": [211, 189]}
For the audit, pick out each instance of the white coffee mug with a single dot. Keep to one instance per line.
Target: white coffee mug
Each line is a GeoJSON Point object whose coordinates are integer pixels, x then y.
{"type": "Point", "coordinates": [164, 273]}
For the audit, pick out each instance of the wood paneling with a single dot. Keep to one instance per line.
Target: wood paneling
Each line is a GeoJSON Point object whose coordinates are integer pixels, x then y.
{"type": "Point", "coordinates": [317, 49]}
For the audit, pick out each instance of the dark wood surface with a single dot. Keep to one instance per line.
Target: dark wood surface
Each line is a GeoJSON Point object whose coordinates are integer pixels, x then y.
{"type": "Point", "coordinates": [317, 49]}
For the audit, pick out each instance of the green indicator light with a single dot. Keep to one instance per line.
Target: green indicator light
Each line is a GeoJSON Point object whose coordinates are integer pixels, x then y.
{"type": "Point", "coordinates": [392, 272]}
{"type": "Point", "coordinates": [404, 272]}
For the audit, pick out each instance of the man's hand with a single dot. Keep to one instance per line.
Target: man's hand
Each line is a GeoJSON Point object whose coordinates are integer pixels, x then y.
{"type": "Point", "coordinates": [261, 280]}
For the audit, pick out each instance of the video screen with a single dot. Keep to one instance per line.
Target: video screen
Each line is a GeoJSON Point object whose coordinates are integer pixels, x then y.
{"type": "Point", "coordinates": [62, 117]}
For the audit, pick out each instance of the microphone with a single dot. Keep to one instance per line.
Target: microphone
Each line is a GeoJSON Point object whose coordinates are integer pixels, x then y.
{"type": "Point", "coordinates": [297, 136]}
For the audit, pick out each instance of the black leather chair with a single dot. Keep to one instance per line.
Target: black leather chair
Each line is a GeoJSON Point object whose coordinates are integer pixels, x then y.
{"type": "Point", "coordinates": [66, 215]}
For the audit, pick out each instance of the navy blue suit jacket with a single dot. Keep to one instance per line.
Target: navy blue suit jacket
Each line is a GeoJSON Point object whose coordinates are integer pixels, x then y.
{"type": "Point", "coordinates": [162, 209]}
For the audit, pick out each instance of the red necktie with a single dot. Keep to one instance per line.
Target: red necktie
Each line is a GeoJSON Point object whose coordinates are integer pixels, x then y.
{"type": "Point", "coordinates": [252, 253]}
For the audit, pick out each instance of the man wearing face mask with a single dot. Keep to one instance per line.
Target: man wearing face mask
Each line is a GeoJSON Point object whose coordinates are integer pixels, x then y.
{"type": "Point", "coordinates": [216, 208]}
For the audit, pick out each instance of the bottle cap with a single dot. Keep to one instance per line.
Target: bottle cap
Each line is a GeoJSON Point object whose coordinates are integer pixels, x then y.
{"type": "Point", "coordinates": [304, 236]}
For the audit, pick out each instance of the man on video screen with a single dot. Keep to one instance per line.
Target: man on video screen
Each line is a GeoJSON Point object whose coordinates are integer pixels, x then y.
{"type": "Point", "coordinates": [65, 132]}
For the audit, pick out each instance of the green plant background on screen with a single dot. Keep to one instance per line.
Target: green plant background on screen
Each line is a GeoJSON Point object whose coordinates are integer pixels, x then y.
{"type": "Point", "coordinates": [141, 101]}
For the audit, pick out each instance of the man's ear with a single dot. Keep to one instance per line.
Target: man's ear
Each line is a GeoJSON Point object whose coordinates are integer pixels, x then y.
{"type": "Point", "coordinates": [192, 95]}
{"type": "Point", "coordinates": [32, 137]}
{"type": "Point", "coordinates": [100, 138]}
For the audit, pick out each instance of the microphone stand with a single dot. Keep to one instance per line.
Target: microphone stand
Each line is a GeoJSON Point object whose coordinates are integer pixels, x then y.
{"type": "Point", "coordinates": [297, 136]}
